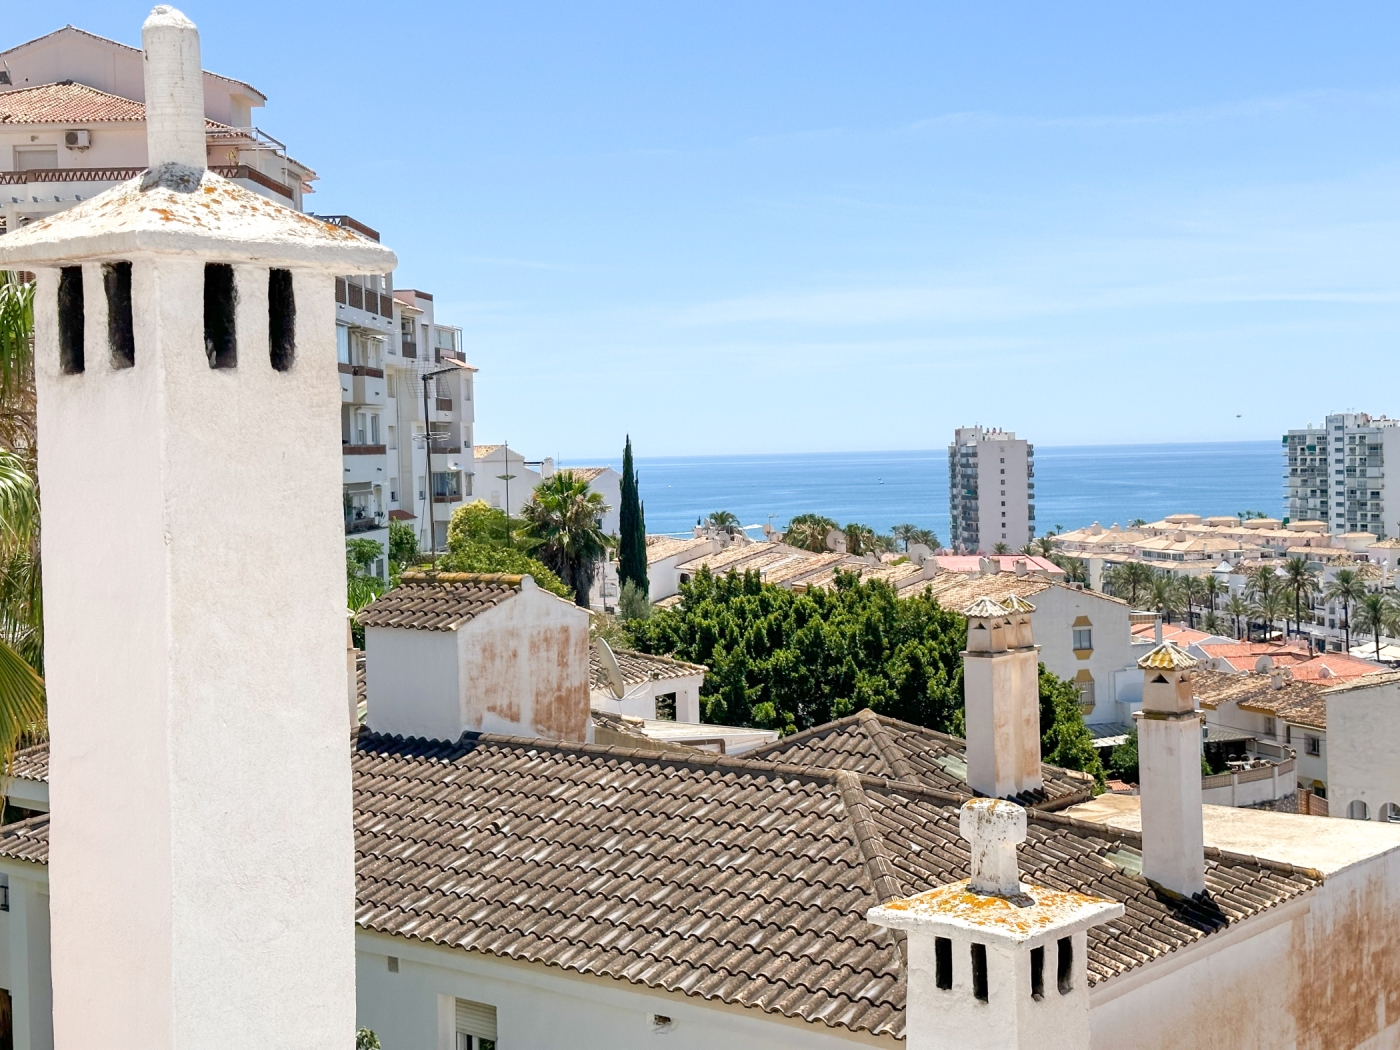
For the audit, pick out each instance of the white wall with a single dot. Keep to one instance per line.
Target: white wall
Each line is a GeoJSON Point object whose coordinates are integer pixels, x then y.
{"type": "Point", "coordinates": [1363, 733]}
{"type": "Point", "coordinates": [542, 1007]}
{"type": "Point", "coordinates": [1319, 971]}
{"type": "Point", "coordinates": [1056, 611]}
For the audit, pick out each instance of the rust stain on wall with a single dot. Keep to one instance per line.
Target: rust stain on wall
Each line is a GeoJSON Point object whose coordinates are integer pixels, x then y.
{"type": "Point", "coordinates": [495, 671]}
{"type": "Point", "coordinates": [1345, 980]}
{"type": "Point", "coordinates": [558, 653]}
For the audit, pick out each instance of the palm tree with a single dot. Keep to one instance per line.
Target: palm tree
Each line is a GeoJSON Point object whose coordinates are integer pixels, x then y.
{"type": "Point", "coordinates": [1131, 581]}
{"type": "Point", "coordinates": [1211, 589]}
{"type": "Point", "coordinates": [1164, 595]}
{"type": "Point", "coordinates": [808, 531]}
{"type": "Point", "coordinates": [1237, 607]}
{"type": "Point", "coordinates": [1378, 614]}
{"type": "Point", "coordinates": [1212, 623]}
{"type": "Point", "coordinates": [1348, 588]}
{"type": "Point", "coordinates": [1300, 580]}
{"type": "Point", "coordinates": [1191, 592]}
{"type": "Point", "coordinates": [565, 519]}
{"type": "Point", "coordinates": [904, 535]}
{"type": "Point", "coordinates": [1046, 544]}
{"type": "Point", "coordinates": [860, 539]}
{"type": "Point", "coordinates": [1269, 608]}
{"type": "Point", "coordinates": [1261, 582]}
{"type": "Point", "coordinates": [1076, 571]}
{"type": "Point", "coordinates": [927, 537]}
{"type": "Point", "coordinates": [723, 520]}
{"type": "Point", "coordinates": [1001, 548]}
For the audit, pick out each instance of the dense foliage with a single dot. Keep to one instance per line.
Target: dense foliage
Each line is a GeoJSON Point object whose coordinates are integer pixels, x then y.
{"type": "Point", "coordinates": [479, 540]}
{"type": "Point", "coordinates": [563, 522]}
{"type": "Point", "coordinates": [785, 660]}
{"type": "Point", "coordinates": [631, 527]}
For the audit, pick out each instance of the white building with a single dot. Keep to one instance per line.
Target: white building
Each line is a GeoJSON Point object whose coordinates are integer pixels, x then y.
{"type": "Point", "coordinates": [1336, 473]}
{"type": "Point", "coordinates": [73, 123]}
{"type": "Point", "coordinates": [991, 490]}
{"type": "Point", "coordinates": [1364, 742]}
{"type": "Point", "coordinates": [505, 479]}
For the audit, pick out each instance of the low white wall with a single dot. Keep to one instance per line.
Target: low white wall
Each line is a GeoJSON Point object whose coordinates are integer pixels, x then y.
{"type": "Point", "coordinates": [1250, 787]}
{"type": "Point", "coordinates": [1362, 734]}
{"type": "Point", "coordinates": [542, 1007]}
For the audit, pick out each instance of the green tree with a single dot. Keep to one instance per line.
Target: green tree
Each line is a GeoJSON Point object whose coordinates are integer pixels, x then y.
{"type": "Point", "coordinates": [1045, 546]}
{"type": "Point", "coordinates": [1211, 590]}
{"type": "Point", "coordinates": [927, 537]}
{"type": "Point", "coordinates": [366, 1040]}
{"type": "Point", "coordinates": [808, 531]}
{"type": "Point", "coordinates": [1001, 548]}
{"type": "Point", "coordinates": [1164, 595]}
{"type": "Point", "coordinates": [1268, 609]}
{"type": "Point", "coordinates": [1300, 581]}
{"type": "Point", "coordinates": [723, 520]}
{"type": "Point", "coordinates": [1123, 759]}
{"type": "Point", "coordinates": [632, 530]}
{"type": "Point", "coordinates": [403, 545]}
{"type": "Point", "coordinates": [1064, 739]}
{"type": "Point", "coordinates": [1076, 571]}
{"type": "Point", "coordinates": [475, 522]}
{"type": "Point", "coordinates": [1378, 614]}
{"type": "Point", "coordinates": [632, 603]}
{"type": "Point", "coordinates": [904, 535]}
{"type": "Point", "coordinates": [563, 518]}
{"type": "Point", "coordinates": [860, 539]}
{"type": "Point", "coordinates": [1347, 588]}
{"type": "Point", "coordinates": [1237, 608]}
{"type": "Point", "coordinates": [1212, 623]}
{"type": "Point", "coordinates": [1192, 592]}
{"type": "Point", "coordinates": [466, 556]}
{"type": "Point", "coordinates": [1131, 581]}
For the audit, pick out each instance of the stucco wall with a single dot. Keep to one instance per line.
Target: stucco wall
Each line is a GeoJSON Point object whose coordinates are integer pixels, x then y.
{"type": "Point", "coordinates": [1056, 611]}
{"type": "Point", "coordinates": [1364, 736]}
{"type": "Point", "coordinates": [542, 1008]}
{"type": "Point", "coordinates": [1319, 973]}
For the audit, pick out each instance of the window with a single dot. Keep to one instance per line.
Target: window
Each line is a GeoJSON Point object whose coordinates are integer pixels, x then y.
{"type": "Point", "coordinates": [1390, 812]}
{"type": "Point", "coordinates": [422, 487]}
{"type": "Point", "coordinates": [1083, 638]}
{"type": "Point", "coordinates": [1358, 810]}
{"type": "Point", "coordinates": [943, 962]}
{"type": "Point", "coordinates": [476, 1025]}
{"type": "Point", "coordinates": [281, 319]}
{"type": "Point", "coordinates": [70, 320]}
{"type": "Point", "coordinates": [121, 335]}
{"type": "Point", "coordinates": [36, 159]}
{"type": "Point", "coordinates": [979, 972]}
{"type": "Point", "coordinates": [393, 438]}
{"type": "Point", "coordinates": [374, 430]}
{"type": "Point", "coordinates": [220, 301]}
{"type": "Point", "coordinates": [342, 344]}
{"type": "Point", "coordinates": [666, 707]}
{"type": "Point", "coordinates": [1270, 727]}
{"type": "Point", "coordinates": [1312, 744]}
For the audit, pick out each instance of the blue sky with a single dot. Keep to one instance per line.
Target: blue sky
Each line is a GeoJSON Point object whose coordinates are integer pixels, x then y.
{"type": "Point", "coordinates": [805, 227]}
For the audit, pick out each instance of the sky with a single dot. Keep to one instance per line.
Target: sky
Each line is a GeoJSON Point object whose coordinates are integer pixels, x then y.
{"type": "Point", "coordinates": [807, 227]}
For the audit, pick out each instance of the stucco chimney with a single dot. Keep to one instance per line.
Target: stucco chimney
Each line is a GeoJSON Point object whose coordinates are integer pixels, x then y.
{"type": "Point", "coordinates": [1021, 566]}
{"type": "Point", "coordinates": [1169, 768]}
{"type": "Point", "coordinates": [1002, 699]}
{"type": "Point", "coordinates": [174, 91]}
{"type": "Point", "coordinates": [183, 343]}
{"type": "Point", "coordinates": [994, 963]}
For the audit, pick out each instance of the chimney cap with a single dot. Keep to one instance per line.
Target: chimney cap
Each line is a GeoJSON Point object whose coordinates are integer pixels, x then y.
{"type": "Point", "coordinates": [1168, 656]}
{"type": "Point", "coordinates": [1016, 603]}
{"type": "Point", "coordinates": [983, 608]}
{"type": "Point", "coordinates": [992, 829]}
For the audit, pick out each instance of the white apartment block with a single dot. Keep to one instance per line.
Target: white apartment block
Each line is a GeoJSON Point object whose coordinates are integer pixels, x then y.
{"type": "Point", "coordinates": [1336, 473]}
{"type": "Point", "coordinates": [73, 123]}
{"type": "Point", "coordinates": [991, 490]}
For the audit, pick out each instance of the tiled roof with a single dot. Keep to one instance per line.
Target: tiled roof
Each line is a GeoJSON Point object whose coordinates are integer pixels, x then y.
{"type": "Point", "coordinates": [482, 451]}
{"type": "Point", "coordinates": [438, 601]}
{"type": "Point", "coordinates": [969, 563]}
{"type": "Point", "coordinates": [588, 473]}
{"type": "Point", "coordinates": [728, 879]}
{"type": "Point", "coordinates": [27, 839]}
{"type": "Point", "coordinates": [879, 746]}
{"type": "Point", "coordinates": [31, 763]}
{"type": "Point", "coordinates": [68, 103]}
{"type": "Point", "coordinates": [731, 879]}
{"type": "Point", "coordinates": [1171, 632]}
{"type": "Point", "coordinates": [955, 590]}
{"type": "Point", "coordinates": [659, 548]}
{"type": "Point", "coordinates": [1330, 667]}
{"type": "Point", "coordinates": [1294, 701]}
{"type": "Point", "coordinates": [638, 667]}
{"type": "Point", "coordinates": [1167, 656]}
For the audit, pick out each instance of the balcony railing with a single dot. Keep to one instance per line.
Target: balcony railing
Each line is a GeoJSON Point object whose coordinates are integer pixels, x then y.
{"type": "Point", "coordinates": [444, 404]}
{"type": "Point", "coordinates": [228, 171]}
{"type": "Point", "coordinates": [447, 497]}
{"type": "Point", "coordinates": [365, 524]}
{"type": "Point", "coordinates": [441, 355]}
{"type": "Point", "coordinates": [347, 449]}
{"type": "Point", "coordinates": [409, 349]}
{"type": "Point", "coordinates": [444, 448]}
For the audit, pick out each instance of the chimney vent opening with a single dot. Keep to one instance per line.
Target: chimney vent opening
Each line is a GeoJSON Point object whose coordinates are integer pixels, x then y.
{"type": "Point", "coordinates": [70, 320]}
{"type": "Point", "coordinates": [220, 300]}
{"type": "Point", "coordinates": [1064, 976]}
{"type": "Point", "coordinates": [1038, 973]}
{"type": "Point", "coordinates": [281, 319]}
{"type": "Point", "coordinates": [943, 963]}
{"type": "Point", "coordinates": [979, 972]}
{"type": "Point", "coordinates": [121, 335]}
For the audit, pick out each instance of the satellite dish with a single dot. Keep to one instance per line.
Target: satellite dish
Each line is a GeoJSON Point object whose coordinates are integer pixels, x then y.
{"type": "Point", "coordinates": [609, 662]}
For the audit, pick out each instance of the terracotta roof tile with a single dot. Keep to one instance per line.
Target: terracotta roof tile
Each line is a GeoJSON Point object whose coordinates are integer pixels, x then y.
{"type": "Point", "coordinates": [438, 601]}
{"type": "Point", "coordinates": [26, 839]}
{"type": "Point", "coordinates": [65, 102]}
{"type": "Point", "coordinates": [638, 667]}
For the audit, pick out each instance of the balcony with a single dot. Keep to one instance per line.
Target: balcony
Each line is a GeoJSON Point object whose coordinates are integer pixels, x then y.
{"type": "Point", "coordinates": [347, 449]}
{"type": "Point", "coordinates": [444, 404]}
{"type": "Point", "coordinates": [447, 497]}
{"type": "Point", "coordinates": [440, 355]}
{"type": "Point", "coordinates": [408, 349]}
{"type": "Point", "coordinates": [367, 523]}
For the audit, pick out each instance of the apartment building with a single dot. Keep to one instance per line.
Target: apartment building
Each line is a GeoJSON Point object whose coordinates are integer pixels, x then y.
{"type": "Point", "coordinates": [1336, 473]}
{"type": "Point", "coordinates": [73, 123]}
{"type": "Point", "coordinates": [991, 490]}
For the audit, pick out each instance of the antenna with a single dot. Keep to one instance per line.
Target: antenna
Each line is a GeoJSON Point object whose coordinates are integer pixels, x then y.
{"type": "Point", "coordinates": [609, 662]}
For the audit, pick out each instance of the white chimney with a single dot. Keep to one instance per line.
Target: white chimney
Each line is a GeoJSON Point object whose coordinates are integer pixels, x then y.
{"type": "Point", "coordinates": [449, 653]}
{"type": "Point", "coordinates": [1001, 693]}
{"type": "Point", "coordinates": [174, 91]}
{"type": "Point", "coordinates": [1169, 770]}
{"type": "Point", "coordinates": [1021, 566]}
{"type": "Point", "coordinates": [184, 343]}
{"type": "Point", "coordinates": [994, 963]}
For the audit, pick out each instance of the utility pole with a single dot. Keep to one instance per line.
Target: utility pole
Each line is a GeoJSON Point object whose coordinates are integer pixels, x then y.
{"type": "Point", "coordinates": [510, 536]}
{"type": "Point", "coordinates": [431, 498]}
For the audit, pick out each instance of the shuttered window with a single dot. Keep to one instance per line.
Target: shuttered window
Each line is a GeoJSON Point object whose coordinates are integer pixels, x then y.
{"type": "Point", "coordinates": [476, 1026]}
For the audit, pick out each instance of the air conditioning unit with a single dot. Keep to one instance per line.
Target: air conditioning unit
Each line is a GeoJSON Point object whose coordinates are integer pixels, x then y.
{"type": "Point", "coordinates": [77, 139]}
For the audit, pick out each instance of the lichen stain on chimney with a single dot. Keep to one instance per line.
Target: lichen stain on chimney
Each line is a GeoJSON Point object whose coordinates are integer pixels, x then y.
{"type": "Point", "coordinates": [1345, 978]}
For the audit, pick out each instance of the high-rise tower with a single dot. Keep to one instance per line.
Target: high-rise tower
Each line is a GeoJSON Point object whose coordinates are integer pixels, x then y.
{"type": "Point", "coordinates": [201, 862]}
{"type": "Point", "coordinates": [991, 490]}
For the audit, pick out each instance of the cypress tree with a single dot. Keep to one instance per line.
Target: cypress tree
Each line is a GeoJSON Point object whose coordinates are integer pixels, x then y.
{"type": "Point", "coordinates": [632, 545]}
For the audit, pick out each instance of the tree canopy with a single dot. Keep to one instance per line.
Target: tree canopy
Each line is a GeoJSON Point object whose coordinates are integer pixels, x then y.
{"type": "Point", "coordinates": [785, 660]}
{"type": "Point", "coordinates": [479, 540]}
{"type": "Point", "coordinates": [631, 528]}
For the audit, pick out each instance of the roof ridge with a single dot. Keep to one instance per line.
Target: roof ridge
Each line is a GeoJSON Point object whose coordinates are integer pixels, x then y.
{"type": "Point", "coordinates": [880, 737]}
{"type": "Point", "coordinates": [872, 848]}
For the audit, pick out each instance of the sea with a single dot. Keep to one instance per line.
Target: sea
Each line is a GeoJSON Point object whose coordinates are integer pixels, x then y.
{"type": "Point", "coordinates": [1074, 485]}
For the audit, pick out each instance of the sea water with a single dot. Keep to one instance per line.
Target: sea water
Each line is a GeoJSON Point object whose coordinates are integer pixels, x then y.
{"type": "Point", "coordinates": [1074, 486]}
